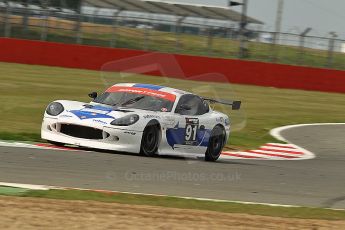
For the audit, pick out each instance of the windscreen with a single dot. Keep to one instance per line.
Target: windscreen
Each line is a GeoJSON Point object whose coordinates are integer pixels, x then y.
{"type": "Point", "coordinates": [137, 98]}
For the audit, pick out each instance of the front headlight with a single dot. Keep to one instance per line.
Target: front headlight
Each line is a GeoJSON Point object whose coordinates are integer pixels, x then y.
{"type": "Point", "coordinates": [55, 108]}
{"type": "Point", "coordinates": [125, 121]}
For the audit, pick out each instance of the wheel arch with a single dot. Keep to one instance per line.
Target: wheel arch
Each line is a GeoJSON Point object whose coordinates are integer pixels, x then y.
{"type": "Point", "coordinates": [227, 131]}
{"type": "Point", "coordinates": [223, 128]}
{"type": "Point", "coordinates": [156, 122]}
{"type": "Point", "coordinates": [153, 122]}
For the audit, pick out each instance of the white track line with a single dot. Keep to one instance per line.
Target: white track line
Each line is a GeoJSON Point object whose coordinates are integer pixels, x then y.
{"type": "Point", "coordinates": [277, 131]}
{"type": "Point", "coordinates": [26, 186]}
{"type": "Point", "coordinates": [16, 144]}
{"type": "Point", "coordinates": [47, 187]}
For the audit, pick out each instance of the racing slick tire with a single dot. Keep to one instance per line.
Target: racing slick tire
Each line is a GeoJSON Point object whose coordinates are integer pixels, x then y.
{"type": "Point", "coordinates": [215, 144]}
{"type": "Point", "coordinates": [56, 143]}
{"type": "Point", "coordinates": [150, 140]}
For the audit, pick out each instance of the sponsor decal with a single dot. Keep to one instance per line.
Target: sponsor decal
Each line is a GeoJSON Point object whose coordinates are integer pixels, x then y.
{"type": "Point", "coordinates": [143, 91]}
{"type": "Point", "coordinates": [152, 117]}
{"type": "Point", "coordinates": [227, 121]}
{"type": "Point", "coordinates": [130, 133]}
{"type": "Point", "coordinates": [220, 119]}
{"type": "Point", "coordinates": [169, 120]}
{"type": "Point", "coordinates": [99, 121]}
{"type": "Point", "coordinates": [179, 91]}
{"type": "Point", "coordinates": [65, 116]}
{"type": "Point", "coordinates": [192, 126]}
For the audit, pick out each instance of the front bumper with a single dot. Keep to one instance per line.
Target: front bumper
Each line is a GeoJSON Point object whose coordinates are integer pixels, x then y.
{"type": "Point", "coordinates": [117, 139]}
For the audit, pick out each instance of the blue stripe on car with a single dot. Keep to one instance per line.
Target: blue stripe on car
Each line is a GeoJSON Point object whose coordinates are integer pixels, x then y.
{"type": "Point", "coordinates": [92, 112]}
{"type": "Point", "coordinates": [148, 86]}
{"type": "Point", "coordinates": [176, 136]}
{"type": "Point", "coordinates": [82, 115]}
{"type": "Point", "coordinates": [102, 108]}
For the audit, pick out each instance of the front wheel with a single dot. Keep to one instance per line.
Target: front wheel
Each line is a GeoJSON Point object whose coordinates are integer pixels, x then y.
{"type": "Point", "coordinates": [215, 144]}
{"type": "Point", "coordinates": [150, 140]}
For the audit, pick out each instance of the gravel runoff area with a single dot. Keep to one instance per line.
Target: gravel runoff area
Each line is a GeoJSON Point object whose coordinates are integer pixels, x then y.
{"type": "Point", "coordinates": [41, 213]}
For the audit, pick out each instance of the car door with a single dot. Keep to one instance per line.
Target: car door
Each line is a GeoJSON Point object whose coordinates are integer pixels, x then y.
{"type": "Point", "coordinates": [190, 134]}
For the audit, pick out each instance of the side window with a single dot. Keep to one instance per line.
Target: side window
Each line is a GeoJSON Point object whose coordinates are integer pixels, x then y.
{"type": "Point", "coordinates": [205, 107]}
{"type": "Point", "coordinates": [195, 103]}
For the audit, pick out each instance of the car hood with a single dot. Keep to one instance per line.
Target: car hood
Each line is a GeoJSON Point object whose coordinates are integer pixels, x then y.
{"type": "Point", "coordinates": [86, 113]}
{"type": "Point", "coordinates": [95, 115]}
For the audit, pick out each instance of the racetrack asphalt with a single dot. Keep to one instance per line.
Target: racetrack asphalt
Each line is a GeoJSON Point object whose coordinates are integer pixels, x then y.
{"type": "Point", "coordinates": [318, 182]}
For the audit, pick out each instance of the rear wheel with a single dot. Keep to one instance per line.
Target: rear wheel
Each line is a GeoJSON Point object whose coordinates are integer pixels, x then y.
{"type": "Point", "coordinates": [56, 143]}
{"type": "Point", "coordinates": [150, 140]}
{"type": "Point", "coordinates": [216, 144]}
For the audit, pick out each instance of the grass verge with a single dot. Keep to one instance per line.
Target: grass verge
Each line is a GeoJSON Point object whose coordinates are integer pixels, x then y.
{"type": "Point", "coordinates": [26, 90]}
{"type": "Point", "coordinates": [34, 137]}
{"type": "Point", "coordinates": [11, 191]}
{"type": "Point", "coordinates": [182, 203]}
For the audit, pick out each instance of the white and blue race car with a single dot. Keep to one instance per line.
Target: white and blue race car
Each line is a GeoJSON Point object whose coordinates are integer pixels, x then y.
{"type": "Point", "coordinates": [140, 118]}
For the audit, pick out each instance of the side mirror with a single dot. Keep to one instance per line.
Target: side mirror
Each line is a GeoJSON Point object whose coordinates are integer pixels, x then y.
{"type": "Point", "coordinates": [236, 105]}
{"type": "Point", "coordinates": [93, 95]}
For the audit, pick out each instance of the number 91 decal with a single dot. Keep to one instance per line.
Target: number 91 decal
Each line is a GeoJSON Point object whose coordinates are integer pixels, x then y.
{"type": "Point", "coordinates": [192, 126]}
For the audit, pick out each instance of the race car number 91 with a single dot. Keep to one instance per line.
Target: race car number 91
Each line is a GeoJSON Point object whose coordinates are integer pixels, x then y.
{"type": "Point", "coordinates": [192, 125]}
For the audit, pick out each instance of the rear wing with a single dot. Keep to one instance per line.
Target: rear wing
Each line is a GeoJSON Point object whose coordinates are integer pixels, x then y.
{"type": "Point", "coordinates": [235, 105]}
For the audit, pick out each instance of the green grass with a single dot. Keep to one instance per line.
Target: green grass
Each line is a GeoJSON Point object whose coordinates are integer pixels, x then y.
{"type": "Point", "coordinates": [30, 137]}
{"type": "Point", "coordinates": [26, 90]}
{"type": "Point", "coordinates": [174, 202]}
{"type": "Point", "coordinates": [11, 191]}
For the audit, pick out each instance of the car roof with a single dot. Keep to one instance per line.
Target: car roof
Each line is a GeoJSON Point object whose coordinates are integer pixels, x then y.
{"type": "Point", "coordinates": [161, 88]}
